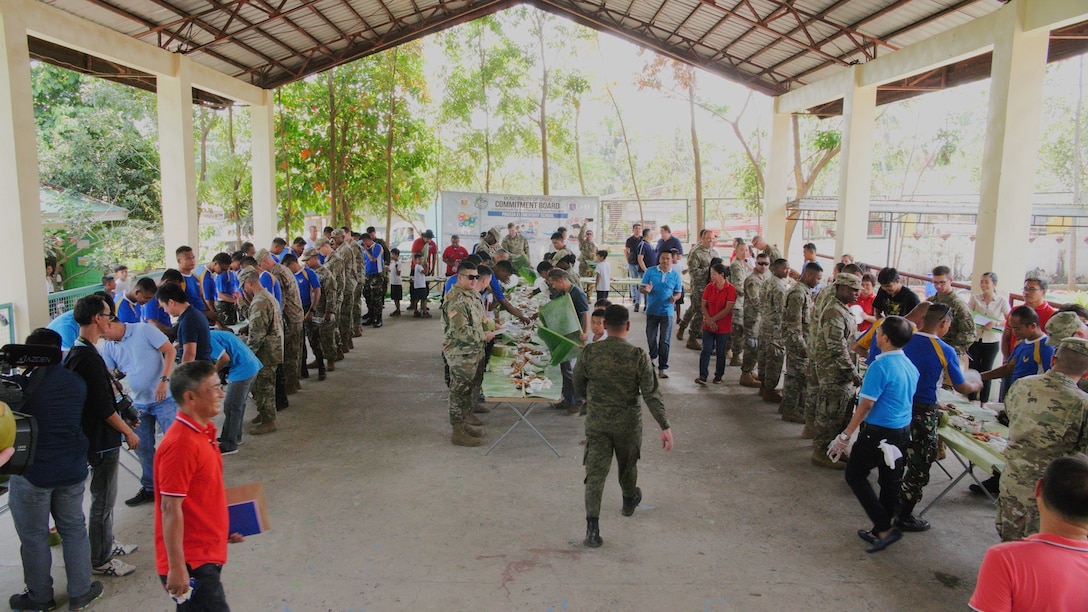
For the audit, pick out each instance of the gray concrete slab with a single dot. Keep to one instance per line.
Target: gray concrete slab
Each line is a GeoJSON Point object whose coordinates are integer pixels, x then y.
{"type": "Point", "coordinates": [373, 509]}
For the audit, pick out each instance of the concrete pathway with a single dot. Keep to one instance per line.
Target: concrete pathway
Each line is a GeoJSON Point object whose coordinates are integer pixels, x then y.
{"type": "Point", "coordinates": [373, 509]}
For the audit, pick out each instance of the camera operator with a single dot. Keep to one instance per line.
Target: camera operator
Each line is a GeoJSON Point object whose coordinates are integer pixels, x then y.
{"type": "Point", "coordinates": [104, 427]}
{"type": "Point", "coordinates": [146, 357]}
{"type": "Point", "coordinates": [53, 485]}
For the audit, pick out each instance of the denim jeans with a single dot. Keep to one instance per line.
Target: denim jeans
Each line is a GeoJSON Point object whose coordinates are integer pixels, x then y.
{"type": "Point", "coordinates": [658, 336]}
{"type": "Point", "coordinates": [163, 413]}
{"type": "Point", "coordinates": [103, 497]}
{"type": "Point", "coordinates": [30, 510]}
{"type": "Point", "coordinates": [634, 272]}
{"type": "Point", "coordinates": [713, 343]}
{"type": "Point", "coordinates": [234, 410]}
{"type": "Point", "coordinates": [566, 370]}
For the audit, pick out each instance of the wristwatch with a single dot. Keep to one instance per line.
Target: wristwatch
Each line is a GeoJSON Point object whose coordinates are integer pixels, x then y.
{"type": "Point", "coordinates": [164, 379]}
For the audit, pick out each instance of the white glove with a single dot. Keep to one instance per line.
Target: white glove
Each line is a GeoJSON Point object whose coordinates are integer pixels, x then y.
{"type": "Point", "coordinates": [838, 447]}
{"type": "Point", "coordinates": [891, 453]}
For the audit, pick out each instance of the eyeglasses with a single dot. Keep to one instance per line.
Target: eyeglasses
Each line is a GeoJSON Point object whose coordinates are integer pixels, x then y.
{"type": "Point", "coordinates": [108, 315]}
{"type": "Point", "coordinates": [763, 263]}
{"type": "Point", "coordinates": [471, 276]}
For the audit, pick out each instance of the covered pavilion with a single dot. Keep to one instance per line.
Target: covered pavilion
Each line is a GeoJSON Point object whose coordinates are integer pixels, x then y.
{"type": "Point", "coordinates": [819, 56]}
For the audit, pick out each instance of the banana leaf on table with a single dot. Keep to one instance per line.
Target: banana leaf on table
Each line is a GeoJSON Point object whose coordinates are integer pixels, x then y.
{"type": "Point", "coordinates": [561, 347]}
{"type": "Point", "coordinates": [560, 317]}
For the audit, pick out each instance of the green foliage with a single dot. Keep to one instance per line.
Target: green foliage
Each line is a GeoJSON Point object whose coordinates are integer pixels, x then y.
{"type": "Point", "coordinates": [825, 140]}
{"type": "Point", "coordinates": [746, 182]}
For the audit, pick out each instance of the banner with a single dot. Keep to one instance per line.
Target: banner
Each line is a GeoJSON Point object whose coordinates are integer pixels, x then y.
{"type": "Point", "coordinates": [537, 217]}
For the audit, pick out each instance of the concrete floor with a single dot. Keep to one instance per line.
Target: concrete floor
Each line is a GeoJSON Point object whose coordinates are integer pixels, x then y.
{"type": "Point", "coordinates": [373, 509]}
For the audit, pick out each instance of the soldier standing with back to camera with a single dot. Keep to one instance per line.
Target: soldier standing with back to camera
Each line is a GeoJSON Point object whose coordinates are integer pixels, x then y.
{"type": "Point", "coordinates": [611, 375]}
{"type": "Point", "coordinates": [753, 287]}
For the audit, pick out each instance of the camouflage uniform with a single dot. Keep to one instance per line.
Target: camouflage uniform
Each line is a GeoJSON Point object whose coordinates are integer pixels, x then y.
{"type": "Point", "coordinates": [319, 330]}
{"type": "Point", "coordinates": [560, 254]}
{"type": "Point", "coordinates": [833, 335]}
{"type": "Point", "coordinates": [738, 272]}
{"type": "Point", "coordinates": [357, 297]}
{"type": "Point", "coordinates": [699, 272]}
{"type": "Point", "coordinates": [753, 286]}
{"type": "Point", "coordinates": [349, 303]}
{"type": "Point", "coordinates": [1048, 418]}
{"type": "Point", "coordinates": [292, 326]}
{"type": "Point", "coordinates": [961, 334]}
{"type": "Point", "coordinates": [336, 269]}
{"type": "Point", "coordinates": [462, 320]}
{"type": "Point", "coordinates": [796, 324]}
{"type": "Point", "coordinates": [587, 250]}
{"type": "Point", "coordinates": [771, 252]}
{"type": "Point", "coordinates": [611, 374]}
{"type": "Point", "coordinates": [772, 351]}
{"type": "Point", "coordinates": [516, 245]}
{"type": "Point", "coordinates": [266, 341]}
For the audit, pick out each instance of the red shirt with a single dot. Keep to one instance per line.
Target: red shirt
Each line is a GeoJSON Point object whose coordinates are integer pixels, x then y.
{"type": "Point", "coordinates": [454, 254]}
{"type": "Point", "coordinates": [716, 299]}
{"type": "Point", "coordinates": [188, 464]}
{"type": "Point", "coordinates": [432, 253]}
{"type": "Point", "coordinates": [866, 304]}
{"type": "Point", "coordinates": [1040, 572]}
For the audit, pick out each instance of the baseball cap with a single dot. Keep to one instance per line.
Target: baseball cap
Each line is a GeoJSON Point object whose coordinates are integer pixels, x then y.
{"type": "Point", "coordinates": [1062, 325]}
{"type": "Point", "coordinates": [308, 254]}
{"type": "Point", "coordinates": [1079, 345]}
{"type": "Point", "coordinates": [261, 254]}
{"type": "Point", "coordinates": [850, 280]}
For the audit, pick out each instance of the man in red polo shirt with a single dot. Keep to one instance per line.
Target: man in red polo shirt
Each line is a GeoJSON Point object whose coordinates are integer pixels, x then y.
{"type": "Point", "coordinates": [191, 522]}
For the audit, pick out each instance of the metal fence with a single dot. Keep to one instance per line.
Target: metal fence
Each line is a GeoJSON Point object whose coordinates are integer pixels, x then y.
{"type": "Point", "coordinates": [63, 301]}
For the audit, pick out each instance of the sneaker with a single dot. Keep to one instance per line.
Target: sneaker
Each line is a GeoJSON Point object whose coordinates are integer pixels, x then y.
{"type": "Point", "coordinates": [663, 374]}
{"type": "Point", "coordinates": [123, 549]}
{"type": "Point", "coordinates": [77, 604]}
{"type": "Point", "coordinates": [22, 601]}
{"type": "Point", "coordinates": [636, 307]}
{"type": "Point", "coordinates": [717, 380]}
{"type": "Point", "coordinates": [141, 498]}
{"type": "Point", "coordinates": [700, 381]}
{"type": "Point", "coordinates": [114, 568]}
{"type": "Point", "coordinates": [225, 452]}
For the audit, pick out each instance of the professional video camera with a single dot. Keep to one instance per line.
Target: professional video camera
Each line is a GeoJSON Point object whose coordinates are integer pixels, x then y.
{"type": "Point", "coordinates": [20, 432]}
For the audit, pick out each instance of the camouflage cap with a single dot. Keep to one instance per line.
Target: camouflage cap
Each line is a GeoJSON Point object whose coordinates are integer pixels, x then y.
{"type": "Point", "coordinates": [338, 233]}
{"type": "Point", "coordinates": [320, 242]}
{"type": "Point", "coordinates": [261, 254]}
{"type": "Point", "coordinates": [850, 280]}
{"type": "Point", "coordinates": [1061, 326]}
{"type": "Point", "coordinates": [1079, 345]}
{"type": "Point", "coordinates": [308, 254]}
{"type": "Point", "coordinates": [247, 274]}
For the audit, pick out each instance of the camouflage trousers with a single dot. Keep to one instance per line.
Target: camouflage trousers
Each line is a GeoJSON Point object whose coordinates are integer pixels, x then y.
{"type": "Point", "coordinates": [227, 312]}
{"type": "Point", "coordinates": [463, 369]}
{"type": "Point", "coordinates": [345, 319]}
{"type": "Point", "coordinates": [736, 339]}
{"type": "Point", "coordinates": [600, 447]}
{"type": "Point", "coordinates": [751, 345]}
{"type": "Point", "coordinates": [795, 389]}
{"type": "Point", "coordinates": [292, 353]}
{"type": "Point", "coordinates": [694, 318]}
{"type": "Point", "coordinates": [834, 407]}
{"type": "Point", "coordinates": [812, 393]}
{"type": "Point", "coordinates": [921, 452]}
{"type": "Point", "coordinates": [264, 393]}
{"type": "Point", "coordinates": [772, 358]}
{"type": "Point", "coordinates": [313, 332]}
{"type": "Point", "coordinates": [373, 293]}
{"type": "Point", "coordinates": [1017, 513]}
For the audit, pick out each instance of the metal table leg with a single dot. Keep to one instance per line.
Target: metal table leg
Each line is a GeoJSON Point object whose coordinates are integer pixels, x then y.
{"type": "Point", "coordinates": [522, 417]}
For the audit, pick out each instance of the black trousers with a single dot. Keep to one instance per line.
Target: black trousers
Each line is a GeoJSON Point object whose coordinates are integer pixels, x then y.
{"type": "Point", "coordinates": [980, 356]}
{"type": "Point", "coordinates": [208, 594]}
{"type": "Point", "coordinates": [863, 458]}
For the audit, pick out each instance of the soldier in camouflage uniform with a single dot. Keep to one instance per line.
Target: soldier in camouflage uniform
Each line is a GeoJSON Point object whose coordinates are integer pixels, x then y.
{"type": "Point", "coordinates": [265, 339]}
{"type": "Point", "coordinates": [771, 251]}
{"type": "Point", "coordinates": [587, 250]}
{"type": "Point", "coordinates": [772, 349]}
{"type": "Point", "coordinates": [796, 327]}
{"type": "Point", "coordinates": [335, 267]}
{"type": "Point", "coordinates": [348, 302]}
{"type": "Point", "coordinates": [560, 245]}
{"type": "Point", "coordinates": [738, 272]}
{"type": "Point", "coordinates": [373, 289]}
{"type": "Point", "coordinates": [753, 287]}
{"type": "Point", "coordinates": [319, 327]}
{"type": "Point", "coordinates": [489, 243]}
{"type": "Point", "coordinates": [611, 374]}
{"type": "Point", "coordinates": [1048, 419]}
{"type": "Point", "coordinates": [699, 273]}
{"type": "Point", "coordinates": [962, 333]}
{"type": "Point", "coordinates": [514, 243]}
{"type": "Point", "coordinates": [356, 252]}
{"type": "Point", "coordinates": [293, 314]}
{"type": "Point", "coordinates": [832, 337]}
{"type": "Point", "coordinates": [463, 322]}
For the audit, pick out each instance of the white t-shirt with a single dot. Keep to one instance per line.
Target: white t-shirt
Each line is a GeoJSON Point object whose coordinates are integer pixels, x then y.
{"type": "Point", "coordinates": [604, 276]}
{"type": "Point", "coordinates": [419, 279]}
{"type": "Point", "coordinates": [541, 283]}
{"type": "Point", "coordinates": [394, 272]}
{"type": "Point", "coordinates": [604, 335]}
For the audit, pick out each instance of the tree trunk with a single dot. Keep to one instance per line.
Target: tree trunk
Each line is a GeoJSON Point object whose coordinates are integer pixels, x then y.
{"type": "Point", "coordinates": [487, 110]}
{"type": "Point", "coordinates": [630, 160]}
{"type": "Point", "coordinates": [543, 121]}
{"type": "Point", "coordinates": [389, 143]}
{"type": "Point", "coordinates": [697, 162]}
{"type": "Point", "coordinates": [578, 147]}
{"type": "Point", "coordinates": [334, 158]}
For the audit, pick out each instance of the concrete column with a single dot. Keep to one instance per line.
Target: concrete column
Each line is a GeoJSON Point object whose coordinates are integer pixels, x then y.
{"type": "Point", "coordinates": [856, 168]}
{"type": "Point", "coordinates": [263, 165]}
{"type": "Point", "coordinates": [177, 161]}
{"type": "Point", "coordinates": [774, 189]}
{"type": "Point", "coordinates": [1011, 148]}
{"type": "Point", "coordinates": [23, 275]}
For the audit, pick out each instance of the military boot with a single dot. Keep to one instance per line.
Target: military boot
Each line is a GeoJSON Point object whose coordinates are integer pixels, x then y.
{"type": "Point", "coordinates": [807, 433]}
{"type": "Point", "coordinates": [461, 437]}
{"type": "Point", "coordinates": [747, 379]}
{"type": "Point", "coordinates": [332, 365]}
{"type": "Point", "coordinates": [630, 503]}
{"type": "Point", "coordinates": [472, 419]}
{"type": "Point", "coordinates": [313, 364]}
{"type": "Point", "coordinates": [820, 459]}
{"type": "Point", "coordinates": [693, 344]}
{"type": "Point", "coordinates": [593, 534]}
{"type": "Point", "coordinates": [473, 431]}
{"type": "Point", "coordinates": [772, 396]}
{"type": "Point", "coordinates": [735, 361]}
{"type": "Point", "coordinates": [680, 330]}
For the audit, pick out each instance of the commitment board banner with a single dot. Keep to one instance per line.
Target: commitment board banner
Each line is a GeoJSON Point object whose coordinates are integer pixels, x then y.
{"type": "Point", "coordinates": [468, 214]}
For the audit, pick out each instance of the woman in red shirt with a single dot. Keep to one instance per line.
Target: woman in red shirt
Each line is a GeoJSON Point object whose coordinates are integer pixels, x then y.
{"type": "Point", "coordinates": [717, 303]}
{"type": "Point", "coordinates": [865, 300]}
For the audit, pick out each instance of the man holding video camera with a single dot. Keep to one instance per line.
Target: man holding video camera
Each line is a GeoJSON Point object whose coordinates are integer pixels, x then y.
{"type": "Point", "coordinates": [103, 427]}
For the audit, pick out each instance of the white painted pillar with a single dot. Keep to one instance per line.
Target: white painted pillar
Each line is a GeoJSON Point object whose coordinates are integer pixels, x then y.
{"type": "Point", "coordinates": [263, 166]}
{"type": "Point", "coordinates": [1011, 148]}
{"type": "Point", "coordinates": [23, 275]}
{"type": "Point", "coordinates": [177, 161]}
{"type": "Point", "coordinates": [775, 193]}
{"type": "Point", "coordinates": [856, 168]}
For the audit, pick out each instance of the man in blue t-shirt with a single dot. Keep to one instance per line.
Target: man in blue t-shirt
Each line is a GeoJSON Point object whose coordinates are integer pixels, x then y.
{"type": "Point", "coordinates": [882, 419]}
{"type": "Point", "coordinates": [193, 327]}
{"type": "Point", "coordinates": [309, 291]}
{"type": "Point", "coordinates": [1031, 355]}
{"type": "Point", "coordinates": [130, 304]}
{"type": "Point", "coordinates": [65, 325]}
{"type": "Point", "coordinates": [662, 286]}
{"type": "Point", "coordinates": [667, 242]}
{"type": "Point", "coordinates": [373, 283]}
{"type": "Point", "coordinates": [937, 364]}
{"type": "Point", "coordinates": [230, 351]}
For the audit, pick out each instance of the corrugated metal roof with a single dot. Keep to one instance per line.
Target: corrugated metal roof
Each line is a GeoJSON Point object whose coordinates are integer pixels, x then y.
{"type": "Point", "coordinates": [770, 45]}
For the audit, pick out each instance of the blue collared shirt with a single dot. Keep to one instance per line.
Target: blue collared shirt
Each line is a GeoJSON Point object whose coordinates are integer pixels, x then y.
{"type": "Point", "coordinates": [665, 284]}
{"type": "Point", "coordinates": [890, 383]}
{"type": "Point", "coordinates": [138, 356]}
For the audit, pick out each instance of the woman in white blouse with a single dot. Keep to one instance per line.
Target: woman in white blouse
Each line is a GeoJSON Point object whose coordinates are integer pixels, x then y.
{"type": "Point", "coordinates": [987, 345]}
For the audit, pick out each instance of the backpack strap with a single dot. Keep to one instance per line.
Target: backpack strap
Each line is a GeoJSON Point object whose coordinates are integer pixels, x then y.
{"type": "Point", "coordinates": [943, 360]}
